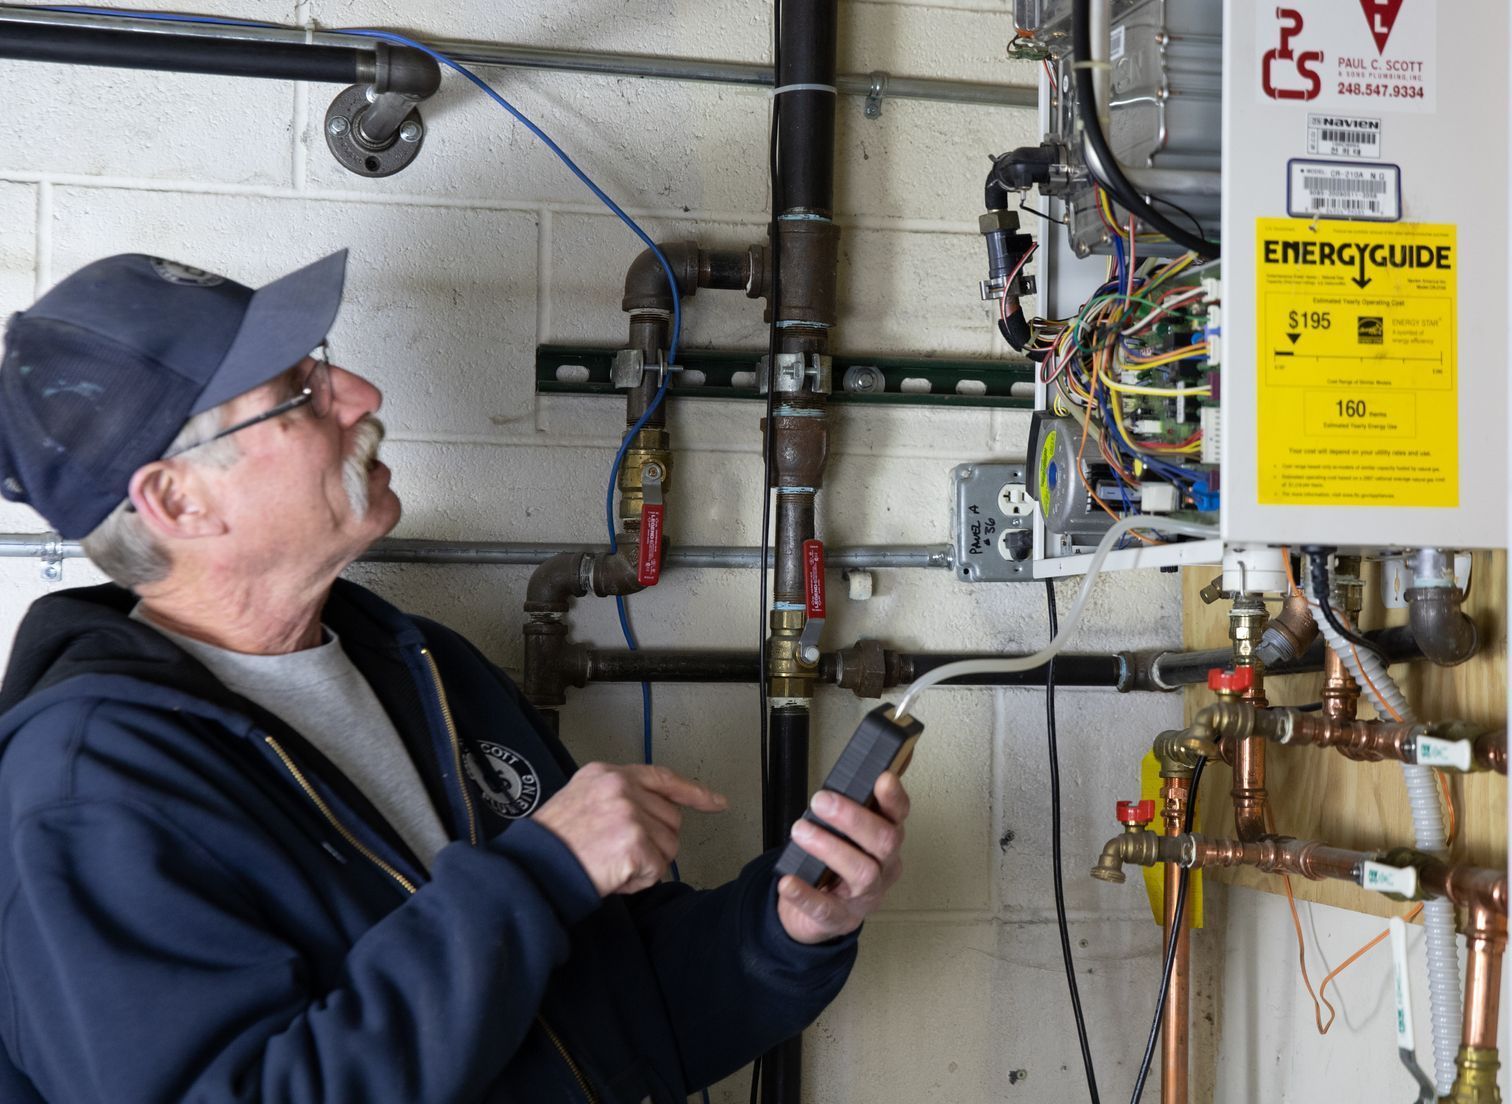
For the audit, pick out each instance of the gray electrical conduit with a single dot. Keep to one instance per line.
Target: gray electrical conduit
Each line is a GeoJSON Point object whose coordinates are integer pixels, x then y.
{"type": "Point", "coordinates": [1440, 941]}
{"type": "Point", "coordinates": [46, 546]}
{"type": "Point", "coordinates": [510, 55]}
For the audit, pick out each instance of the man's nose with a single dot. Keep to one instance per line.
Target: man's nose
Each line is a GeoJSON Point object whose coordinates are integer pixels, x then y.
{"type": "Point", "coordinates": [352, 396]}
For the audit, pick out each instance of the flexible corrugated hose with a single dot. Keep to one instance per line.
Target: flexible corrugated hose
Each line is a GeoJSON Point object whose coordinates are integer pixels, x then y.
{"type": "Point", "coordinates": [1440, 940]}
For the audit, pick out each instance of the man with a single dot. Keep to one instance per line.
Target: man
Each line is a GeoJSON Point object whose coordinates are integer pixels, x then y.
{"type": "Point", "coordinates": [247, 853]}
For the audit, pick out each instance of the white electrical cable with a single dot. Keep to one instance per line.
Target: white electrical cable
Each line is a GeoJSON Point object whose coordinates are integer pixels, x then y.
{"type": "Point", "coordinates": [1440, 940]}
{"type": "Point", "coordinates": [1008, 665]}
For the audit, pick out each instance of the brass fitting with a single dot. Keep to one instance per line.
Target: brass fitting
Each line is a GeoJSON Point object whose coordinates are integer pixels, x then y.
{"type": "Point", "coordinates": [1180, 750]}
{"type": "Point", "coordinates": [650, 446]}
{"type": "Point", "coordinates": [1475, 1077]}
{"type": "Point", "coordinates": [790, 677]}
{"type": "Point", "coordinates": [1291, 633]}
{"type": "Point", "coordinates": [1222, 723]}
{"type": "Point", "coordinates": [1136, 845]}
{"type": "Point", "coordinates": [1341, 694]}
{"type": "Point", "coordinates": [1247, 620]}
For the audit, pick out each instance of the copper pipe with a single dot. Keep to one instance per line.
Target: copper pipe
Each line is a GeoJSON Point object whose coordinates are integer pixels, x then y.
{"type": "Point", "coordinates": [1248, 791]}
{"type": "Point", "coordinates": [1365, 741]}
{"type": "Point", "coordinates": [1247, 622]}
{"type": "Point", "coordinates": [1486, 935]}
{"type": "Point", "coordinates": [1491, 751]}
{"type": "Point", "coordinates": [1175, 1033]}
{"type": "Point", "coordinates": [1278, 855]}
{"type": "Point", "coordinates": [1464, 886]}
{"type": "Point", "coordinates": [1341, 695]}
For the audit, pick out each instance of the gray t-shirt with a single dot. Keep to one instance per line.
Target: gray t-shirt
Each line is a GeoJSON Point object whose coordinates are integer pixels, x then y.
{"type": "Point", "coordinates": [321, 695]}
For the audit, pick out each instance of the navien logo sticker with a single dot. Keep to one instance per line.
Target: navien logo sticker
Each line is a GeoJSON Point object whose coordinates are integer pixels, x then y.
{"type": "Point", "coordinates": [1382, 15]}
{"type": "Point", "coordinates": [1287, 73]}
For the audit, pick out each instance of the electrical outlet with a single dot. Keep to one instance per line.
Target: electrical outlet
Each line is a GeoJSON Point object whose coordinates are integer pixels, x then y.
{"type": "Point", "coordinates": [1014, 500]}
{"type": "Point", "coordinates": [992, 523]}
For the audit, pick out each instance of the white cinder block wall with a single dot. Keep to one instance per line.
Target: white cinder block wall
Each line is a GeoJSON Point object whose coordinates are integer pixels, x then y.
{"type": "Point", "coordinates": [486, 247]}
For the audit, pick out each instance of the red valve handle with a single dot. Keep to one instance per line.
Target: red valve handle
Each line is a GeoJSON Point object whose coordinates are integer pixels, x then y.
{"type": "Point", "coordinates": [1236, 681]}
{"type": "Point", "coordinates": [1136, 812]}
{"type": "Point", "coordinates": [648, 569]}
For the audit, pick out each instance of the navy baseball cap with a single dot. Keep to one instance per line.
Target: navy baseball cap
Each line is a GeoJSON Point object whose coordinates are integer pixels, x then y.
{"type": "Point", "coordinates": [102, 372]}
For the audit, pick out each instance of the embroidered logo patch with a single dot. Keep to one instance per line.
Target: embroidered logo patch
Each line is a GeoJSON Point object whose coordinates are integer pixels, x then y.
{"type": "Point", "coordinates": [507, 780]}
{"type": "Point", "coordinates": [176, 273]}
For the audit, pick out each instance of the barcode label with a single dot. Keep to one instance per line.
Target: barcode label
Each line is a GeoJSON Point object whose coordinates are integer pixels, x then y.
{"type": "Point", "coordinates": [1342, 185]}
{"type": "Point", "coordinates": [1327, 189]}
{"type": "Point", "coordinates": [1350, 137]}
{"type": "Point", "coordinates": [1343, 136]}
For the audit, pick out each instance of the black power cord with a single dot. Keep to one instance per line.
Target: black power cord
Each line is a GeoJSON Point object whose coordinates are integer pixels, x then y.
{"type": "Point", "coordinates": [1317, 566]}
{"type": "Point", "coordinates": [1055, 853]}
{"type": "Point", "coordinates": [1112, 176]}
{"type": "Point", "coordinates": [1183, 880]}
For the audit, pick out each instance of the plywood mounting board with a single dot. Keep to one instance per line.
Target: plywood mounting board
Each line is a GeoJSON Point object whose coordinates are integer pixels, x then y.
{"type": "Point", "coordinates": [1318, 794]}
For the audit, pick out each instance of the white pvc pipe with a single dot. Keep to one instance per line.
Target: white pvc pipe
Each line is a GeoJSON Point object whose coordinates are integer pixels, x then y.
{"type": "Point", "coordinates": [1440, 940]}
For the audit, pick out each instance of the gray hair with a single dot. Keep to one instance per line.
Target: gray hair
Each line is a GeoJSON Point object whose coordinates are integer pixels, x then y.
{"type": "Point", "coordinates": [122, 545]}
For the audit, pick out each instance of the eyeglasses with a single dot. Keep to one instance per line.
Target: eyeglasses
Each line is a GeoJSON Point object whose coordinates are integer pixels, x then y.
{"type": "Point", "coordinates": [313, 388]}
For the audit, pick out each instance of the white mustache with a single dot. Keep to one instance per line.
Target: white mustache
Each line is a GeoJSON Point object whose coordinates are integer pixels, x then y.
{"type": "Point", "coordinates": [367, 436]}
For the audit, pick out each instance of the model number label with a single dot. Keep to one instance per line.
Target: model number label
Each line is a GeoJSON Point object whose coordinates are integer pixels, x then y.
{"type": "Point", "coordinates": [1332, 189]}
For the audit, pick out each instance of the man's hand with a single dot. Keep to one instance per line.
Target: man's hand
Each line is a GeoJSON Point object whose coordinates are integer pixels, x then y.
{"type": "Point", "coordinates": [622, 822]}
{"type": "Point", "coordinates": [866, 870]}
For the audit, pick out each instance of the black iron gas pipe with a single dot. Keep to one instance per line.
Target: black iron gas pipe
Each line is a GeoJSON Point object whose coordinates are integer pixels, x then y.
{"type": "Point", "coordinates": [394, 69]}
{"type": "Point", "coordinates": [803, 313]}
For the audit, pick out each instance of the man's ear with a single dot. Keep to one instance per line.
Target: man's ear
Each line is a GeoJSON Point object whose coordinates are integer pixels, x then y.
{"type": "Point", "coordinates": [174, 501]}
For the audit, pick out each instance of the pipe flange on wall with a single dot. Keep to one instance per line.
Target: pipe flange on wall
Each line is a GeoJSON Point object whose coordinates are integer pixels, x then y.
{"type": "Point", "coordinates": [373, 134]}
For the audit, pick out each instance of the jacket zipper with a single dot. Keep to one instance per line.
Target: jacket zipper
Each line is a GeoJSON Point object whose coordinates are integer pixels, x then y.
{"type": "Point", "coordinates": [319, 802]}
{"type": "Point", "coordinates": [409, 886]}
{"type": "Point", "coordinates": [456, 746]}
{"type": "Point", "coordinates": [571, 1065]}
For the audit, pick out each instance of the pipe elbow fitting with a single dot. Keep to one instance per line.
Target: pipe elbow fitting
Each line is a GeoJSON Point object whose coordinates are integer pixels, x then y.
{"type": "Point", "coordinates": [1443, 630]}
{"type": "Point", "coordinates": [556, 582]}
{"type": "Point", "coordinates": [1109, 865]}
{"type": "Point", "coordinates": [1491, 751]}
{"type": "Point", "coordinates": [1141, 847]}
{"type": "Point", "coordinates": [1179, 751]}
{"type": "Point", "coordinates": [646, 285]}
{"type": "Point", "coordinates": [405, 70]}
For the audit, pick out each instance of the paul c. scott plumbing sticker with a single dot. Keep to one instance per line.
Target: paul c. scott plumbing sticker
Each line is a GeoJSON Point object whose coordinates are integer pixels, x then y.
{"type": "Point", "coordinates": [1358, 387]}
{"type": "Point", "coordinates": [1349, 55]}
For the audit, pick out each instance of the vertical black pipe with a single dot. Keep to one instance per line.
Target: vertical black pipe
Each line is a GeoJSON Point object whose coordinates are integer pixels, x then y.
{"type": "Point", "coordinates": [806, 124]}
{"type": "Point", "coordinates": [787, 796]}
{"type": "Point", "coordinates": [788, 770]}
{"type": "Point", "coordinates": [803, 202]}
{"type": "Point", "coordinates": [795, 524]}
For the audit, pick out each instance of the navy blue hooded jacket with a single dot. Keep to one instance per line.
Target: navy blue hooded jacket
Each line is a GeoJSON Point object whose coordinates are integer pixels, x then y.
{"type": "Point", "coordinates": [196, 906]}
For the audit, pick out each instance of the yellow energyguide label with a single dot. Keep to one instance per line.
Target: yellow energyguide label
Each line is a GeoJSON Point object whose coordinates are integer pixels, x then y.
{"type": "Point", "coordinates": [1358, 389]}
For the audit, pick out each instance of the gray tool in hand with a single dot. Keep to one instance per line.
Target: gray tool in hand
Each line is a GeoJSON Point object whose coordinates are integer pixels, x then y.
{"type": "Point", "coordinates": [883, 741]}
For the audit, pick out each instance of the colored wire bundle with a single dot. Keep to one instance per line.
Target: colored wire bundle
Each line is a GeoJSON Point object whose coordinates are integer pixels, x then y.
{"type": "Point", "coordinates": [1112, 357]}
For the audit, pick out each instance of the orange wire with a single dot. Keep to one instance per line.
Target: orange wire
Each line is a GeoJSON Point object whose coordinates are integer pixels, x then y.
{"type": "Point", "coordinates": [1291, 900]}
{"type": "Point", "coordinates": [1291, 580]}
{"type": "Point", "coordinates": [1321, 994]}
